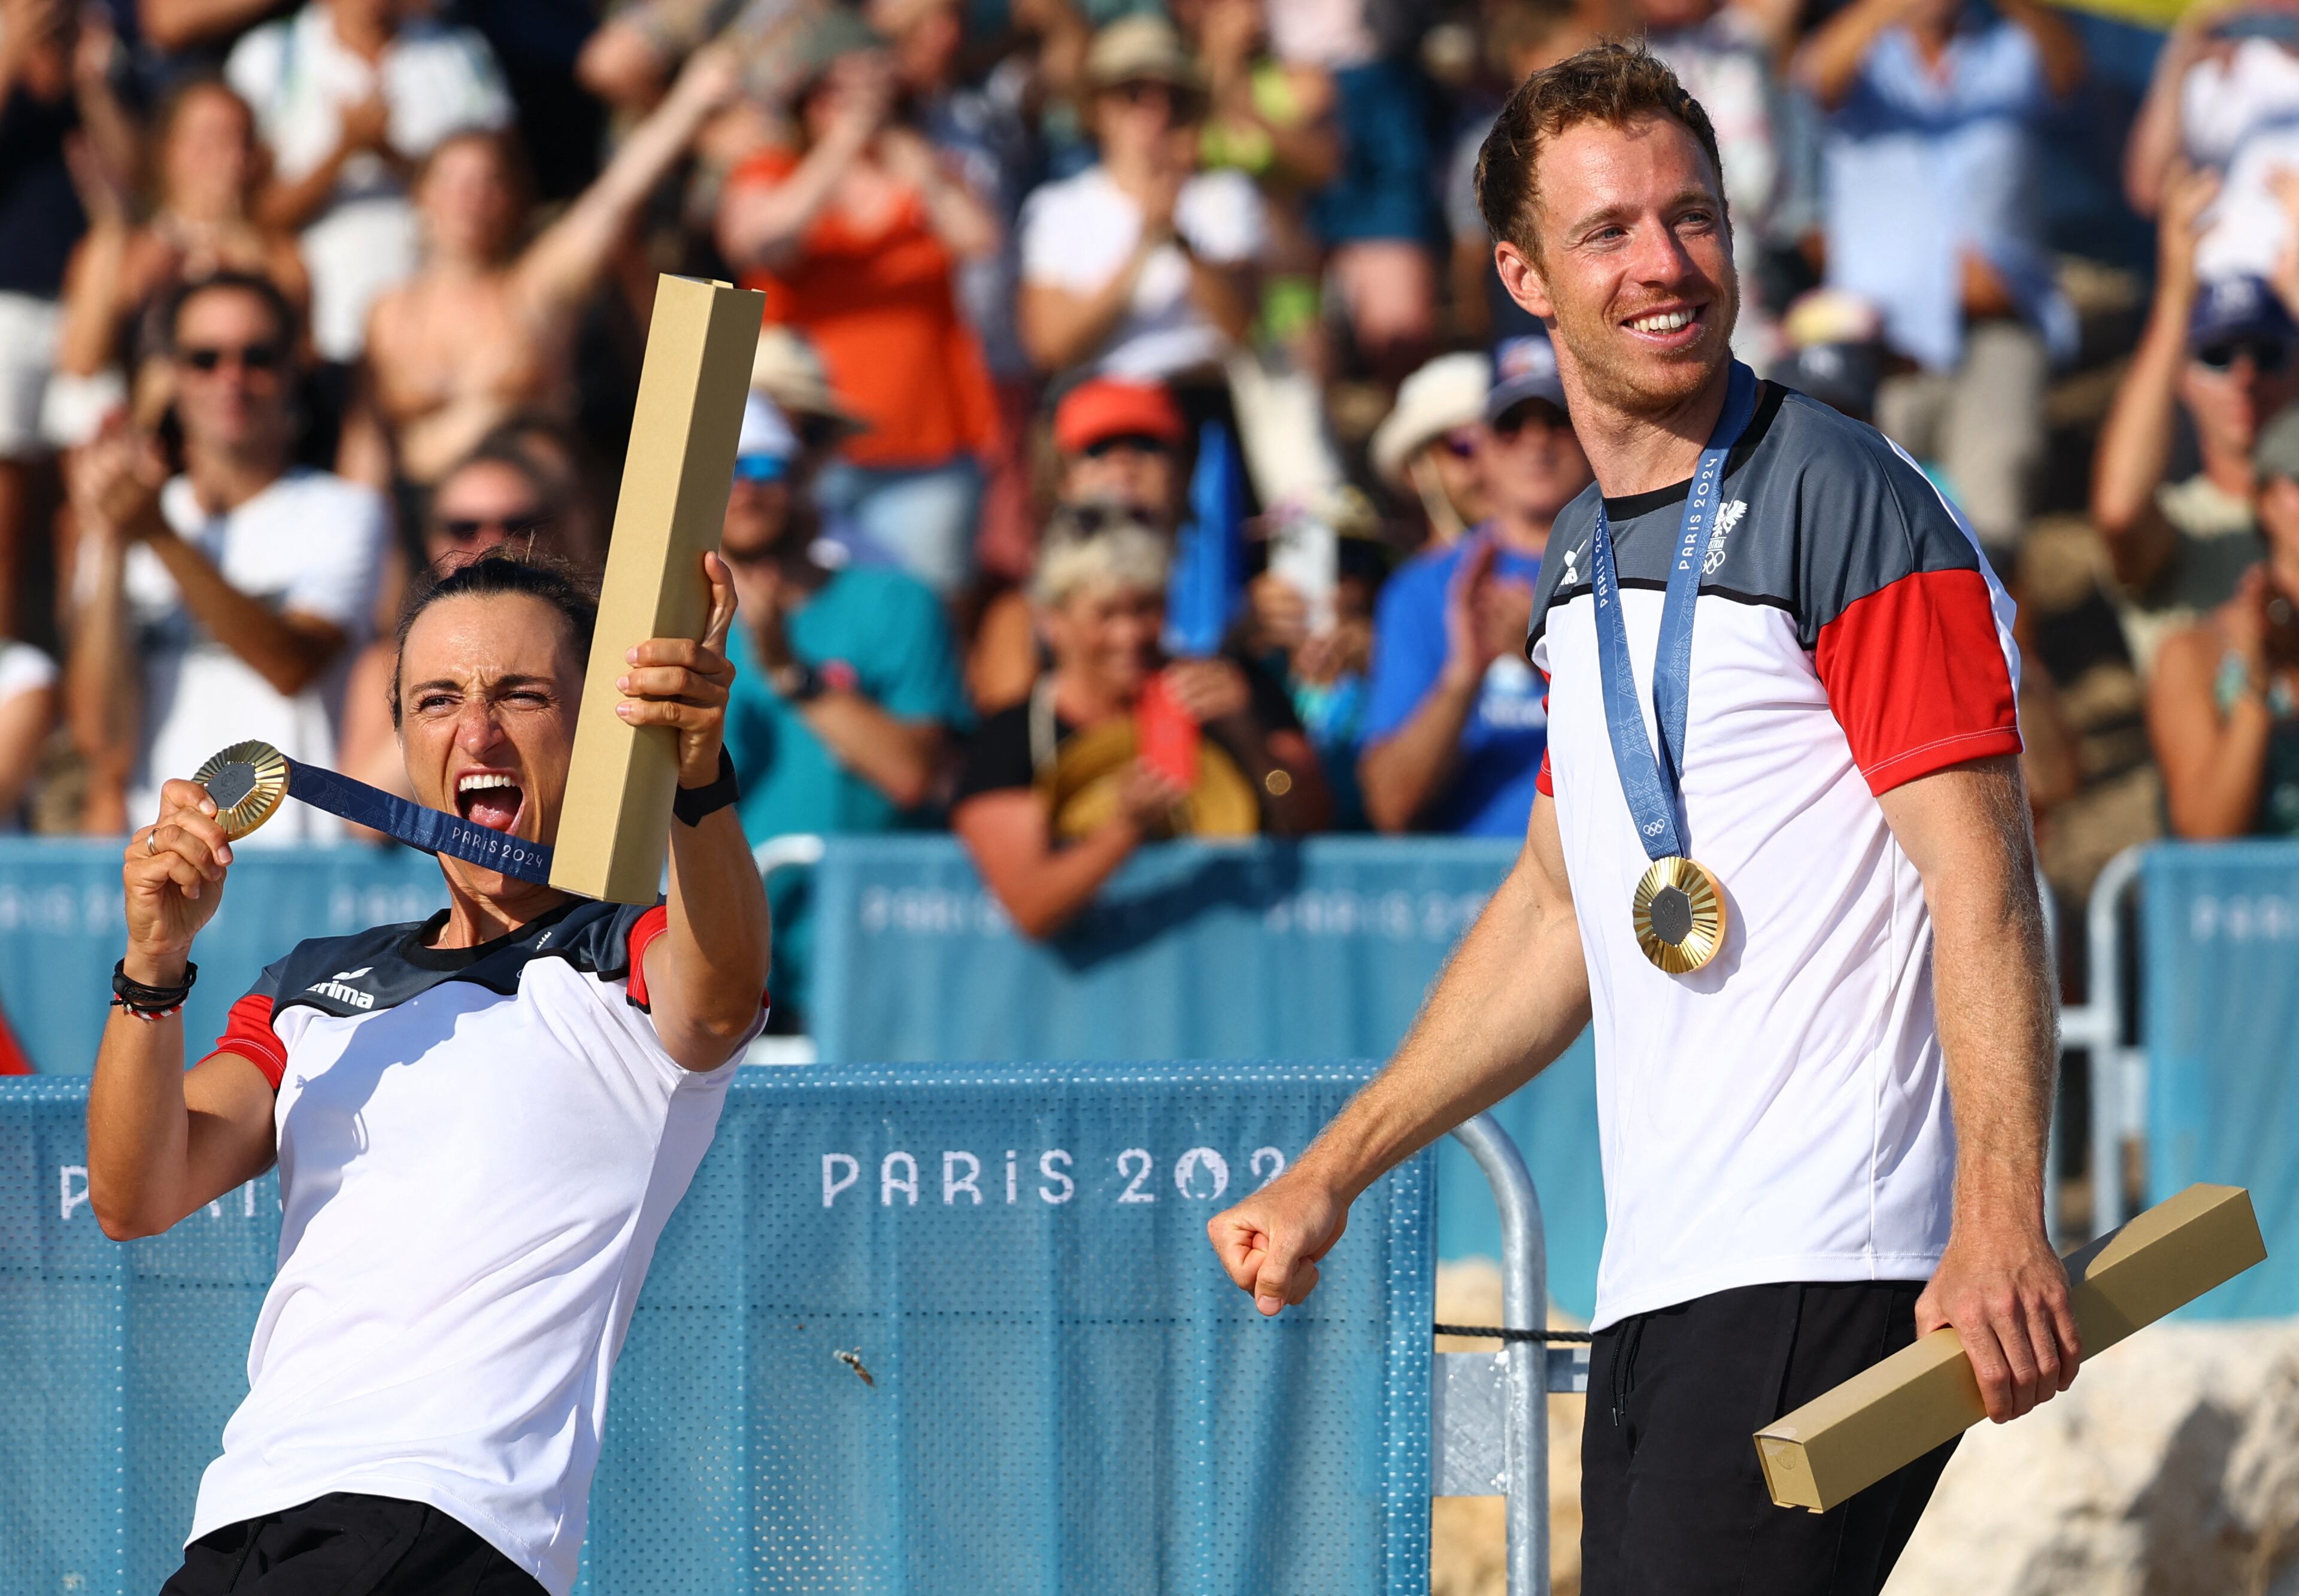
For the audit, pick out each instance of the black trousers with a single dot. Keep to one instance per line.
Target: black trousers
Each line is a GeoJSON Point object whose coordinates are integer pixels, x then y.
{"type": "Point", "coordinates": [1672, 1499]}
{"type": "Point", "coordinates": [348, 1545]}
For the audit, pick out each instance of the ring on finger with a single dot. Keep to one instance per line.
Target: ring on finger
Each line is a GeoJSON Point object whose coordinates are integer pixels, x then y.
{"type": "Point", "coordinates": [152, 840]}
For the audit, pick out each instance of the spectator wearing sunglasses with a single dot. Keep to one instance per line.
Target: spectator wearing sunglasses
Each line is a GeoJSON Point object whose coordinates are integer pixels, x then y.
{"type": "Point", "coordinates": [846, 685]}
{"type": "Point", "coordinates": [2223, 354]}
{"type": "Point", "coordinates": [227, 602]}
{"type": "Point", "coordinates": [1457, 721]}
{"type": "Point", "coordinates": [498, 497]}
{"type": "Point", "coordinates": [1118, 453]}
{"type": "Point", "coordinates": [1432, 443]}
{"type": "Point", "coordinates": [2223, 709]}
{"type": "Point", "coordinates": [1141, 266]}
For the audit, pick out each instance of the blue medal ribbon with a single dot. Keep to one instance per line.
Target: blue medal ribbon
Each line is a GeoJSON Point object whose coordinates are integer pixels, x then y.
{"type": "Point", "coordinates": [433, 830]}
{"type": "Point", "coordinates": [1652, 784]}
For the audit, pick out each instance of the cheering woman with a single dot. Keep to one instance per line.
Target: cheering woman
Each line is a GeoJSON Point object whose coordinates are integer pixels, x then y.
{"type": "Point", "coordinates": [481, 1121]}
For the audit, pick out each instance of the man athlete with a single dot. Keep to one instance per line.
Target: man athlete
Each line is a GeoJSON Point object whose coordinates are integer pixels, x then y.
{"type": "Point", "coordinates": [1850, 1098]}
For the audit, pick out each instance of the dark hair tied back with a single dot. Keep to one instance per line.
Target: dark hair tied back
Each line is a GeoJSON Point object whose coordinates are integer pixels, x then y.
{"type": "Point", "coordinates": [557, 583]}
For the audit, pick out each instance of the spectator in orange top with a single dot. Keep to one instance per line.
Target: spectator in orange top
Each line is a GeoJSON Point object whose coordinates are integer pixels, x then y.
{"type": "Point", "coordinates": [852, 236]}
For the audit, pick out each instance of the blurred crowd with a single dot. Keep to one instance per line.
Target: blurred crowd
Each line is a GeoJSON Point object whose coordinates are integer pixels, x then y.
{"type": "Point", "coordinates": [1140, 443]}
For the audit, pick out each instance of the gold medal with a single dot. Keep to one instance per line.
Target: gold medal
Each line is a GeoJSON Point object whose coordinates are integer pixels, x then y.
{"type": "Point", "coordinates": [1679, 915]}
{"type": "Point", "coordinates": [247, 781]}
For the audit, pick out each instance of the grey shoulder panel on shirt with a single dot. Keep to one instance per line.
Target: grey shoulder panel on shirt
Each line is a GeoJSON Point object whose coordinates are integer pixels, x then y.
{"type": "Point", "coordinates": [1823, 513]}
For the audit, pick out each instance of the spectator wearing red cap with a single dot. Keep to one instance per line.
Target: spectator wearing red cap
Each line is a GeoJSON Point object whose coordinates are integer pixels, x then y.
{"type": "Point", "coordinates": [1121, 441]}
{"type": "Point", "coordinates": [1118, 451]}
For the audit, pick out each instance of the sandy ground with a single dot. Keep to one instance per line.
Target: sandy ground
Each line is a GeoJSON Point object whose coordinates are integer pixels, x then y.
{"type": "Point", "coordinates": [1468, 1536]}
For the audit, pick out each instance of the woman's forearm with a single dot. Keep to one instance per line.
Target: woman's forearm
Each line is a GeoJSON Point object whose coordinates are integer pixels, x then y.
{"type": "Point", "coordinates": [707, 978]}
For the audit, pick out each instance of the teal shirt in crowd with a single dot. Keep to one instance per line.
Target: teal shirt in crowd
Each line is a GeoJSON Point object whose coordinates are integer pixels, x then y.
{"type": "Point", "coordinates": [876, 630]}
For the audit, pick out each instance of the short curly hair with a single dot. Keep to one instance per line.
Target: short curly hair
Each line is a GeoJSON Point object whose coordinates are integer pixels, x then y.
{"type": "Point", "coordinates": [1611, 83]}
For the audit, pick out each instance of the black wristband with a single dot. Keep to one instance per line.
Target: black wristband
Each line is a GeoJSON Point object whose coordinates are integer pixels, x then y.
{"type": "Point", "coordinates": [147, 1001]}
{"type": "Point", "coordinates": [690, 804]}
{"type": "Point", "coordinates": [798, 682]}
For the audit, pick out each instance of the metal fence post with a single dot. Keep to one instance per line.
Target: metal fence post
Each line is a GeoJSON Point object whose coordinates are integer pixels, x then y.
{"type": "Point", "coordinates": [2096, 1026]}
{"type": "Point", "coordinates": [797, 850]}
{"type": "Point", "coordinates": [1524, 1306]}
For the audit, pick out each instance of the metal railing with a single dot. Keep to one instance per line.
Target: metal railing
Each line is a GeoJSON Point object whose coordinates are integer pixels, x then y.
{"type": "Point", "coordinates": [1488, 1411]}
{"type": "Point", "coordinates": [2119, 1069]}
{"type": "Point", "coordinates": [796, 850]}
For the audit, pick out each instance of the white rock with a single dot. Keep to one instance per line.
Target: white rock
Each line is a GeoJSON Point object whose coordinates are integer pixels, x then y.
{"type": "Point", "coordinates": [2170, 1469]}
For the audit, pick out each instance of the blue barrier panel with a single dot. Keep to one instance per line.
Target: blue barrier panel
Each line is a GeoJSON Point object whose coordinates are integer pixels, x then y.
{"type": "Point", "coordinates": [1313, 949]}
{"type": "Point", "coordinates": [62, 924]}
{"type": "Point", "coordinates": [1065, 1394]}
{"type": "Point", "coordinates": [2222, 1021]}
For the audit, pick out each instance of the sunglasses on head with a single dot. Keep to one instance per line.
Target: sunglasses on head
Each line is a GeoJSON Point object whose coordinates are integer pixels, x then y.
{"type": "Point", "coordinates": [252, 357]}
{"type": "Point", "coordinates": [471, 528]}
{"type": "Point", "coordinates": [759, 469]}
{"type": "Point", "coordinates": [1180, 104]}
{"type": "Point", "coordinates": [2267, 354]}
{"type": "Point", "coordinates": [1137, 443]}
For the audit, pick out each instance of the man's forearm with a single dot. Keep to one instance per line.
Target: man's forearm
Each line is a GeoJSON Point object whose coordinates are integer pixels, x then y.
{"type": "Point", "coordinates": [1402, 774]}
{"type": "Point", "coordinates": [1992, 987]}
{"type": "Point", "coordinates": [1514, 996]}
{"type": "Point", "coordinates": [895, 756]}
{"type": "Point", "coordinates": [271, 644]}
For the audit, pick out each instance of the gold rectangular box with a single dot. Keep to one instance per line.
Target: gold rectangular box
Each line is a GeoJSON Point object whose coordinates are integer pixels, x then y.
{"type": "Point", "coordinates": [614, 829]}
{"type": "Point", "coordinates": [1845, 1441]}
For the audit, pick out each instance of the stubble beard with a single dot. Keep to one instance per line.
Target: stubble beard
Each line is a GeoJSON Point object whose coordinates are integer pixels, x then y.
{"type": "Point", "coordinates": [1645, 384]}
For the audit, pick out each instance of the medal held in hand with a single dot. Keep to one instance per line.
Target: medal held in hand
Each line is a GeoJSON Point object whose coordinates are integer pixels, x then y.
{"type": "Point", "coordinates": [1679, 908]}
{"type": "Point", "coordinates": [249, 781]}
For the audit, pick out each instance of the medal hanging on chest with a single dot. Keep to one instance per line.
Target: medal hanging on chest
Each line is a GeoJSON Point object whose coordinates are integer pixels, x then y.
{"type": "Point", "coordinates": [1678, 909]}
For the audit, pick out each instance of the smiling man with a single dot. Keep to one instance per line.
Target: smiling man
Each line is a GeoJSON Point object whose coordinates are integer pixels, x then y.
{"type": "Point", "coordinates": [1780, 855]}
{"type": "Point", "coordinates": [481, 1121]}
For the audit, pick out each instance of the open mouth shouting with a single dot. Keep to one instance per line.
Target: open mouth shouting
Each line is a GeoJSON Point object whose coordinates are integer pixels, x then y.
{"type": "Point", "coordinates": [490, 798]}
{"type": "Point", "coordinates": [1669, 326]}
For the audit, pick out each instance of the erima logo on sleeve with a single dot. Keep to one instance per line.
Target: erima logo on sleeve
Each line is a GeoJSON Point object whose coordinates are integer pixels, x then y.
{"type": "Point", "coordinates": [335, 987]}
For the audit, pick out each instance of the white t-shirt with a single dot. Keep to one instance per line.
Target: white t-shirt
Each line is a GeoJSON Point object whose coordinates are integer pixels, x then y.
{"type": "Point", "coordinates": [300, 78]}
{"type": "Point", "coordinates": [23, 669]}
{"type": "Point", "coordinates": [1781, 1114]}
{"type": "Point", "coordinates": [479, 1150]}
{"type": "Point", "coordinates": [1078, 234]}
{"type": "Point", "coordinates": [311, 544]}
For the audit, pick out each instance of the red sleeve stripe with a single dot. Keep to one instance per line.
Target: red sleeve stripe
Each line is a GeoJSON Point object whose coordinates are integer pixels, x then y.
{"type": "Point", "coordinates": [1917, 676]}
{"type": "Point", "coordinates": [1545, 782]}
{"type": "Point", "coordinates": [247, 1031]}
{"type": "Point", "coordinates": [649, 925]}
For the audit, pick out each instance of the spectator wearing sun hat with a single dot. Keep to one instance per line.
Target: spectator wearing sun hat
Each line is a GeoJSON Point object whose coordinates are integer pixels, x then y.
{"type": "Point", "coordinates": [1432, 442]}
{"type": "Point", "coordinates": [1456, 722]}
{"type": "Point", "coordinates": [1141, 266]}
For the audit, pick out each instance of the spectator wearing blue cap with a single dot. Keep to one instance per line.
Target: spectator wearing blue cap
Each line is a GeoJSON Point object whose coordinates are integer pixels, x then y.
{"type": "Point", "coordinates": [1457, 721]}
{"type": "Point", "coordinates": [846, 687]}
{"type": "Point", "coordinates": [2224, 352]}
